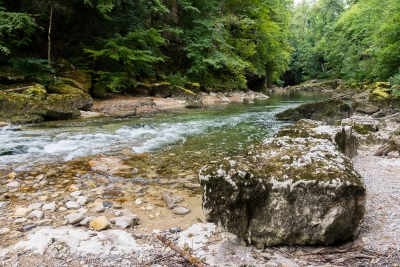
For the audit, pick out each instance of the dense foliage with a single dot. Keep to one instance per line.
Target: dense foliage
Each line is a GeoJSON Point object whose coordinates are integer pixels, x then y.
{"type": "Point", "coordinates": [353, 40]}
{"type": "Point", "coordinates": [216, 43]}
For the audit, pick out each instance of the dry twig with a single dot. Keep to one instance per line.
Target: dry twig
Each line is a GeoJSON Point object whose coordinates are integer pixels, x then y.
{"type": "Point", "coordinates": [187, 256]}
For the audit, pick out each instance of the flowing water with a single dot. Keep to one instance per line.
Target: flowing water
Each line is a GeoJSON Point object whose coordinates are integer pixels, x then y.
{"type": "Point", "coordinates": [219, 131]}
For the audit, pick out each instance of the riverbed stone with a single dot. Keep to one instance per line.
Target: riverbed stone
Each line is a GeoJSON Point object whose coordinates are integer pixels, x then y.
{"type": "Point", "coordinates": [125, 221]}
{"type": "Point", "coordinates": [22, 212]}
{"type": "Point", "coordinates": [13, 185]}
{"type": "Point", "coordinates": [108, 164]}
{"type": "Point", "coordinates": [100, 223]}
{"type": "Point", "coordinates": [20, 220]}
{"type": "Point", "coordinates": [285, 191]}
{"type": "Point", "coordinates": [82, 200]}
{"type": "Point", "coordinates": [75, 217]}
{"type": "Point", "coordinates": [72, 205]}
{"type": "Point", "coordinates": [330, 111]}
{"type": "Point", "coordinates": [38, 214]}
{"type": "Point", "coordinates": [49, 207]}
{"type": "Point", "coordinates": [180, 210]}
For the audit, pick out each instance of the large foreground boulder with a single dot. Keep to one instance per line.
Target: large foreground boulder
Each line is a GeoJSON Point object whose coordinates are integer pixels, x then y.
{"type": "Point", "coordinates": [329, 111]}
{"type": "Point", "coordinates": [285, 191]}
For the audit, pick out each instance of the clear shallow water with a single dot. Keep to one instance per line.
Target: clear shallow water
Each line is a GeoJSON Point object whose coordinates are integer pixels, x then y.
{"type": "Point", "coordinates": [226, 130]}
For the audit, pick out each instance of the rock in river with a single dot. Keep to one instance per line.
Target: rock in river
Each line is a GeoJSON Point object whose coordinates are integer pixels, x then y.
{"type": "Point", "coordinates": [285, 191]}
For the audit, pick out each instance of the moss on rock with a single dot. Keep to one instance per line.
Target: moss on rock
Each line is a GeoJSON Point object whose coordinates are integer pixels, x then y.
{"type": "Point", "coordinates": [71, 96]}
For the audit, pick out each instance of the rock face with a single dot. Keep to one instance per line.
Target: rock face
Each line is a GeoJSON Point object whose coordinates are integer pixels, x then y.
{"type": "Point", "coordinates": [329, 111]}
{"type": "Point", "coordinates": [285, 191]}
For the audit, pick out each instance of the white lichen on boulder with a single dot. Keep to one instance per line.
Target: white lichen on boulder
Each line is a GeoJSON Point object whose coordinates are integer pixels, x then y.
{"type": "Point", "coordinates": [285, 191]}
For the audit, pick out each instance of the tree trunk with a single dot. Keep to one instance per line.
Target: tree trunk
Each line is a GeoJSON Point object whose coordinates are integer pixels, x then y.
{"type": "Point", "coordinates": [49, 33]}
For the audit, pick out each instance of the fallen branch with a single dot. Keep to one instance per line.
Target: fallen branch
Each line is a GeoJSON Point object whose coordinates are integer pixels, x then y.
{"type": "Point", "coordinates": [184, 254]}
{"type": "Point", "coordinates": [17, 89]}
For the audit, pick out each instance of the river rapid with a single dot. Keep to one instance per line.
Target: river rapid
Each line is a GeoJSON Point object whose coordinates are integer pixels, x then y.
{"type": "Point", "coordinates": [212, 133]}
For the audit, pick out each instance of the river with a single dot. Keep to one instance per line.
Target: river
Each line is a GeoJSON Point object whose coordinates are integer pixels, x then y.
{"type": "Point", "coordinates": [211, 133]}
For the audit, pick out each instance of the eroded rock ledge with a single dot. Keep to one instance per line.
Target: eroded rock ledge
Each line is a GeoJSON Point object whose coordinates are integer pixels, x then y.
{"type": "Point", "coordinates": [285, 191]}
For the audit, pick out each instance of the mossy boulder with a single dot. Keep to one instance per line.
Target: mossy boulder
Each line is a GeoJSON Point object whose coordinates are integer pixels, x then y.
{"type": "Point", "coordinates": [141, 89]}
{"type": "Point", "coordinates": [77, 78]}
{"type": "Point", "coordinates": [285, 191]}
{"type": "Point", "coordinates": [194, 87]}
{"type": "Point", "coordinates": [99, 90]}
{"type": "Point", "coordinates": [342, 137]}
{"type": "Point", "coordinates": [71, 95]}
{"type": "Point", "coordinates": [329, 111]}
{"type": "Point", "coordinates": [37, 91]}
{"type": "Point", "coordinates": [21, 108]}
{"type": "Point", "coordinates": [380, 94]}
{"type": "Point", "coordinates": [183, 94]}
{"type": "Point", "coordinates": [162, 89]}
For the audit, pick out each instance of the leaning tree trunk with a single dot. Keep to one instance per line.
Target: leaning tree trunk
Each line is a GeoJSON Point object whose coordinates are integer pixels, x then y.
{"type": "Point", "coordinates": [392, 145]}
{"type": "Point", "coordinates": [49, 33]}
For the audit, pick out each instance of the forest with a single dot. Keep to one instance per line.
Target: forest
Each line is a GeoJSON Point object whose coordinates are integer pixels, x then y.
{"type": "Point", "coordinates": [219, 44]}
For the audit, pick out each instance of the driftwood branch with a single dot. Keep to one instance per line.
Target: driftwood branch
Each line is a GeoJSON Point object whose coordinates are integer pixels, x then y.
{"type": "Point", "coordinates": [184, 254]}
{"type": "Point", "coordinates": [17, 89]}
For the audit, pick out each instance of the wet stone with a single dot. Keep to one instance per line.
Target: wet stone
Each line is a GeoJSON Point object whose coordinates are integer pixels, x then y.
{"type": "Point", "coordinates": [100, 209]}
{"type": "Point", "coordinates": [4, 204]}
{"type": "Point", "coordinates": [28, 227]}
{"type": "Point", "coordinates": [82, 200]}
{"type": "Point", "coordinates": [107, 204]}
{"type": "Point", "coordinates": [13, 185]}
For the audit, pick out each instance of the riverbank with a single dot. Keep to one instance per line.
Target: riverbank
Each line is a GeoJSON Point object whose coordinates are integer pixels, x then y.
{"type": "Point", "coordinates": [108, 189]}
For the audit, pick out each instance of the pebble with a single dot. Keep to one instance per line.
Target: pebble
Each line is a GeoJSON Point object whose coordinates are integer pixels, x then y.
{"type": "Point", "coordinates": [73, 188]}
{"type": "Point", "coordinates": [41, 222]}
{"type": "Point", "coordinates": [86, 221]}
{"type": "Point", "coordinates": [98, 202]}
{"type": "Point", "coordinates": [125, 221]}
{"type": "Point", "coordinates": [22, 212]}
{"type": "Point", "coordinates": [75, 217]}
{"type": "Point", "coordinates": [4, 231]}
{"type": "Point", "coordinates": [72, 205]}
{"type": "Point", "coordinates": [13, 185]}
{"type": "Point", "coordinates": [12, 175]}
{"type": "Point", "coordinates": [75, 194]}
{"type": "Point", "coordinates": [28, 227]}
{"type": "Point", "coordinates": [100, 209]}
{"type": "Point", "coordinates": [35, 206]}
{"type": "Point", "coordinates": [138, 201]}
{"type": "Point", "coordinates": [38, 214]}
{"type": "Point", "coordinates": [43, 198]}
{"type": "Point", "coordinates": [50, 207]}
{"type": "Point", "coordinates": [107, 204]}
{"type": "Point", "coordinates": [82, 210]}
{"type": "Point", "coordinates": [4, 204]}
{"type": "Point", "coordinates": [175, 229]}
{"type": "Point", "coordinates": [100, 223]}
{"type": "Point", "coordinates": [20, 220]}
{"type": "Point", "coordinates": [149, 208]}
{"type": "Point", "coordinates": [180, 210]}
{"type": "Point", "coordinates": [82, 200]}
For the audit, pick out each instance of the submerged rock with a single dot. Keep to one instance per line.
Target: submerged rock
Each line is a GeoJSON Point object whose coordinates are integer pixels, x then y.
{"type": "Point", "coordinates": [329, 111]}
{"type": "Point", "coordinates": [285, 191]}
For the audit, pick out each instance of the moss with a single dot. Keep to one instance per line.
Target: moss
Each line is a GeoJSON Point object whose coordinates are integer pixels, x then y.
{"type": "Point", "coordinates": [77, 78]}
{"type": "Point", "coordinates": [363, 128]}
{"type": "Point", "coordinates": [194, 87]}
{"type": "Point", "coordinates": [379, 94]}
{"type": "Point", "coordinates": [37, 91]}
